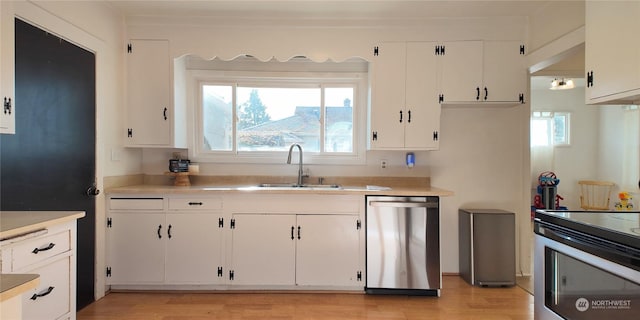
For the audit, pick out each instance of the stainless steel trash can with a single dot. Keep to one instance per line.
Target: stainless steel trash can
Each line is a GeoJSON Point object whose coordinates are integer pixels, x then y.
{"type": "Point", "coordinates": [487, 247]}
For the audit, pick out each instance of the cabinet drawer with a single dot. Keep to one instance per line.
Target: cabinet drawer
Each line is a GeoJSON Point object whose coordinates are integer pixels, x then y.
{"type": "Point", "coordinates": [136, 203]}
{"type": "Point", "coordinates": [195, 204]}
{"type": "Point", "coordinates": [39, 249]}
{"type": "Point", "coordinates": [50, 299]}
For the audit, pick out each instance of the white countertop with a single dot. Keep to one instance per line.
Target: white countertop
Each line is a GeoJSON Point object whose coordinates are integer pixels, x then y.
{"type": "Point", "coordinates": [12, 285]}
{"type": "Point", "coordinates": [349, 190]}
{"type": "Point", "coordinates": [15, 223]}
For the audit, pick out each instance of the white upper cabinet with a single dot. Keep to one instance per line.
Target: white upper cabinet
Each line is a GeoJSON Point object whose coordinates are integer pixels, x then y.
{"type": "Point", "coordinates": [404, 113]}
{"type": "Point", "coordinates": [612, 55]}
{"type": "Point", "coordinates": [7, 59]}
{"type": "Point", "coordinates": [152, 119]}
{"type": "Point", "coordinates": [482, 72]}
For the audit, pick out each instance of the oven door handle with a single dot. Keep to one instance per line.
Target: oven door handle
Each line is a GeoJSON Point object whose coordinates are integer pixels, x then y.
{"type": "Point", "coordinates": [403, 204]}
{"type": "Point", "coordinates": [584, 242]}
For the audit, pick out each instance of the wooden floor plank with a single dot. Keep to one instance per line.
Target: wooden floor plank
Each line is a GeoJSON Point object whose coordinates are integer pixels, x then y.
{"type": "Point", "coordinates": [458, 300]}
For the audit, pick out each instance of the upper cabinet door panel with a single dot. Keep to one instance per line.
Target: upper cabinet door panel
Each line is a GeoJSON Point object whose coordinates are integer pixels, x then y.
{"type": "Point", "coordinates": [422, 107]}
{"type": "Point", "coordinates": [150, 105]}
{"type": "Point", "coordinates": [504, 72]}
{"type": "Point", "coordinates": [612, 52]}
{"type": "Point", "coordinates": [461, 77]}
{"type": "Point", "coordinates": [388, 95]}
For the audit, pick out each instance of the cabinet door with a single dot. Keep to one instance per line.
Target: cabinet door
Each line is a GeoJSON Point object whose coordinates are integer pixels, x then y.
{"type": "Point", "coordinates": [50, 299]}
{"type": "Point", "coordinates": [149, 105]}
{"type": "Point", "coordinates": [422, 107]}
{"type": "Point", "coordinates": [136, 247]}
{"type": "Point", "coordinates": [388, 96]}
{"type": "Point", "coordinates": [611, 52]}
{"type": "Point", "coordinates": [461, 74]}
{"type": "Point", "coordinates": [193, 248]}
{"type": "Point", "coordinates": [263, 249]}
{"type": "Point", "coordinates": [7, 60]}
{"type": "Point", "coordinates": [504, 72]}
{"type": "Point", "coordinates": [328, 250]}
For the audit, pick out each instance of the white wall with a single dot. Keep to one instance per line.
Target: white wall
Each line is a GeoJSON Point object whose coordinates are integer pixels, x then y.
{"type": "Point", "coordinates": [554, 20]}
{"type": "Point", "coordinates": [579, 161]}
{"type": "Point", "coordinates": [481, 158]}
{"type": "Point", "coordinates": [482, 150]}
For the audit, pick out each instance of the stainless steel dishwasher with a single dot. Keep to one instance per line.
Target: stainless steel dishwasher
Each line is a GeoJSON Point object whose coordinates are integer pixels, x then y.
{"type": "Point", "coordinates": [403, 245]}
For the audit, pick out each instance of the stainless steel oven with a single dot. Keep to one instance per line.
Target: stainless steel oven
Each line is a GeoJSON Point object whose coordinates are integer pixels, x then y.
{"type": "Point", "coordinates": [585, 267]}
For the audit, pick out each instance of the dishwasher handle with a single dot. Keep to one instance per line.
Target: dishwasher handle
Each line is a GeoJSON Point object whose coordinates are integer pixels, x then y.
{"type": "Point", "coordinates": [403, 204]}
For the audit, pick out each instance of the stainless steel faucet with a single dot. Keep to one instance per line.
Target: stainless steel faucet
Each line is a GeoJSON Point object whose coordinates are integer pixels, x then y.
{"type": "Point", "coordinates": [300, 174]}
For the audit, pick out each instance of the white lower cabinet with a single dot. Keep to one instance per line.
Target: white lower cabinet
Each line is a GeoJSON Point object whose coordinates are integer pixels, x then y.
{"type": "Point", "coordinates": [287, 249]}
{"type": "Point", "coordinates": [136, 248]}
{"type": "Point", "coordinates": [50, 299]}
{"type": "Point", "coordinates": [149, 245]}
{"type": "Point", "coordinates": [327, 251]}
{"type": "Point", "coordinates": [49, 253]}
{"type": "Point", "coordinates": [263, 249]}
{"type": "Point", "coordinates": [193, 249]}
{"type": "Point", "coordinates": [257, 241]}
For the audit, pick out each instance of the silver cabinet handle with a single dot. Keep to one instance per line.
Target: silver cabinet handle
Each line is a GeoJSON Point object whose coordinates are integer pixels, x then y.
{"type": "Point", "coordinates": [403, 204]}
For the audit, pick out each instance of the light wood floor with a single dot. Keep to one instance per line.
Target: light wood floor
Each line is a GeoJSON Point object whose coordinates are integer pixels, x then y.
{"type": "Point", "coordinates": [458, 301]}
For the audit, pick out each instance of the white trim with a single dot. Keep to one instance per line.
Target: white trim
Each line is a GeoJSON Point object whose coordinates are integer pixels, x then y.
{"type": "Point", "coordinates": [196, 78]}
{"type": "Point", "coordinates": [35, 15]}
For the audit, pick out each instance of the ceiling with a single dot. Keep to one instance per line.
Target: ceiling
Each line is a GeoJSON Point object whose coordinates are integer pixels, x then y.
{"type": "Point", "coordinates": [315, 9]}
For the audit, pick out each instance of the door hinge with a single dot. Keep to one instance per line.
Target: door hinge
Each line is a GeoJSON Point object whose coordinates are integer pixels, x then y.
{"type": "Point", "coordinates": [129, 133]}
{"type": "Point", "coordinates": [374, 136]}
{"type": "Point", "coordinates": [521, 98]}
{"type": "Point", "coordinates": [6, 106]}
{"type": "Point", "coordinates": [220, 272]}
{"type": "Point", "coordinates": [441, 98]}
{"type": "Point", "coordinates": [109, 222]}
{"type": "Point", "coordinates": [375, 51]}
{"type": "Point", "coordinates": [590, 79]}
{"type": "Point", "coordinates": [359, 275]}
{"type": "Point", "coordinates": [129, 48]}
{"type": "Point", "coordinates": [220, 222]}
{"type": "Point", "coordinates": [232, 224]}
{"type": "Point", "coordinates": [231, 275]}
{"type": "Point", "coordinates": [435, 136]}
{"type": "Point", "coordinates": [358, 224]}
{"type": "Point", "coordinates": [439, 50]}
{"type": "Point", "coordinates": [108, 272]}
{"type": "Point", "coordinates": [522, 49]}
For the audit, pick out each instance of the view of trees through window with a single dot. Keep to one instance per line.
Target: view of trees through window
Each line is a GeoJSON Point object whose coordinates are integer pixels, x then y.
{"type": "Point", "coordinates": [318, 118]}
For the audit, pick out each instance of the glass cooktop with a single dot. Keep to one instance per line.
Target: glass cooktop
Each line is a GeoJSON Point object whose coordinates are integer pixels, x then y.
{"type": "Point", "coordinates": [619, 226]}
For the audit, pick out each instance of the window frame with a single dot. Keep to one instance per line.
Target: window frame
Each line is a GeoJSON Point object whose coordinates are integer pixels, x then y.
{"type": "Point", "coordinates": [550, 116]}
{"type": "Point", "coordinates": [196, 78]}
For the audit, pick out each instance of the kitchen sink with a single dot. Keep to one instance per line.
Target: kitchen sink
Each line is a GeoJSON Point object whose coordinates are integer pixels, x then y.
{"type": "Point", "coordinates": [296, 186]}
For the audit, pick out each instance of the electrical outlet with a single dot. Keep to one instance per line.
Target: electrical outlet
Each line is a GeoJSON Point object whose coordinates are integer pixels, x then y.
{"type": "Point", "coordinates": [383, 164]}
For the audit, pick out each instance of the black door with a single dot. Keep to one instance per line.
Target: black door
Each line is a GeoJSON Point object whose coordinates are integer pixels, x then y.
{"type": "Point", "coordinates": [50, 162]}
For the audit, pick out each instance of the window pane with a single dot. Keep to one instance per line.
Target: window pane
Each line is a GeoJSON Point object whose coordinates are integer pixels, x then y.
{"type": "Point", "coordinates": [560, 129]}
{"type": "Point", "coordinates": [338, 120]}
{"type": "Point", "coordinates": [540, 132]}
{"type": "Point", "coordinates": [217, 117]}
{"type": "Point", "coordinates": [271, 119]}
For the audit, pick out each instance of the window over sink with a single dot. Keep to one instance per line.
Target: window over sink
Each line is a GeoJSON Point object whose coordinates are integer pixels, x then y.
{"type": "Point", "coordinates": [251, 111]}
